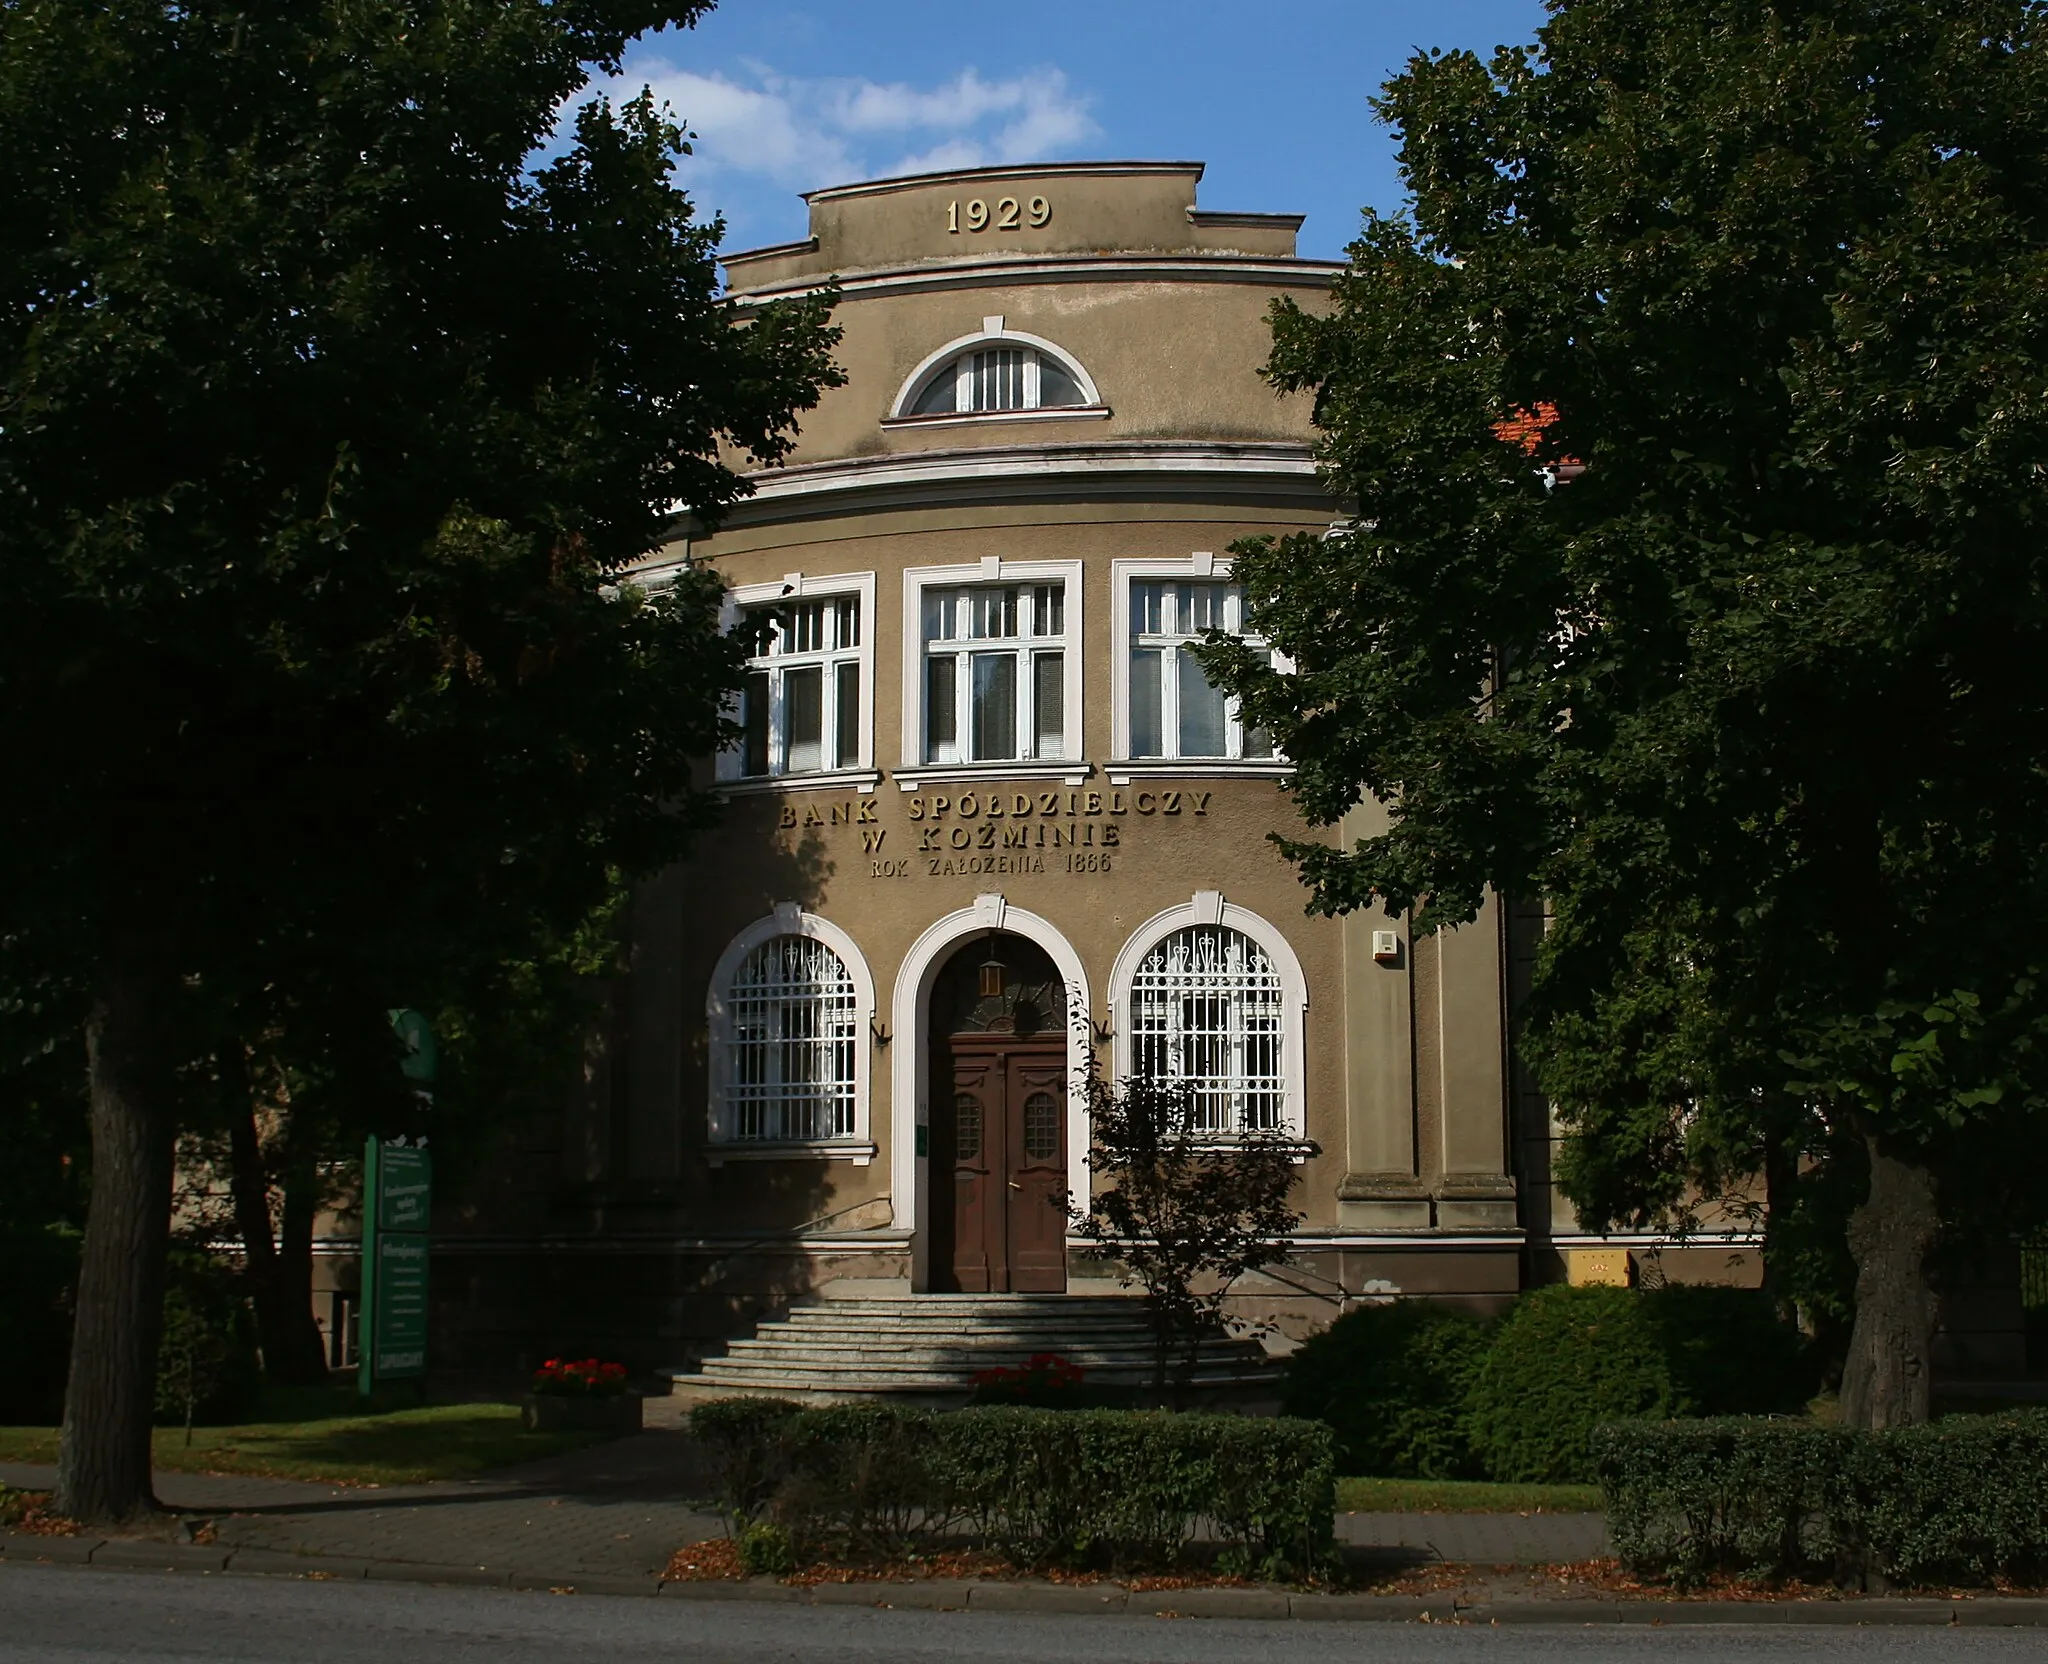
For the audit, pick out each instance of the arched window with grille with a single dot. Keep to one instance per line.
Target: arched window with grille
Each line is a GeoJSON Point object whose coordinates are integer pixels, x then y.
{"type": "Point", "coordinates": [790, 1005]}
{"type": "Point", "coordinates": [1213, 998]}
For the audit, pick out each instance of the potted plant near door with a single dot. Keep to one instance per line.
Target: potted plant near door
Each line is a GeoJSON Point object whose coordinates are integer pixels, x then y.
{"type": "Point", "coordinates": [577, 1393]}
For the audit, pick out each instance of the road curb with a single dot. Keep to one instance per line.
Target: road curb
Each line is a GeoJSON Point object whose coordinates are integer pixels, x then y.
{"type": "Point", "coordinates": [1252, 1605]}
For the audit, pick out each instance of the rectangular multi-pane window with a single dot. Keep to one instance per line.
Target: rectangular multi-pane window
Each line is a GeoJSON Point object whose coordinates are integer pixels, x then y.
{"type": "Point", "coordinates": [995, 673]}
{"type": "Point", "coordinates": [1175, 711]}
{"type": "Point", "coordinates": [800, 705]}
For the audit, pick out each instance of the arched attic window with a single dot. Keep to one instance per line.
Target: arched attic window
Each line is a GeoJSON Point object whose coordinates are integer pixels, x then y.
{"type": "Point", "coordinates": [997, 373]}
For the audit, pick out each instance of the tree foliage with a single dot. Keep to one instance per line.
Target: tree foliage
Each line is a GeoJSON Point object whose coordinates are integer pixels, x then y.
{"type": "Point", "coordinates": [1695, 414]}
{"type": "Point", "coordinates": [1186, 1210]}
{"type": "Point", "coordinates": [334, 407]}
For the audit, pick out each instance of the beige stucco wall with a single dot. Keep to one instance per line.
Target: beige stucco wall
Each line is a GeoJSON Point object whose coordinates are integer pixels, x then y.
{"type": "Point", "coordinates": [1402, 1066]}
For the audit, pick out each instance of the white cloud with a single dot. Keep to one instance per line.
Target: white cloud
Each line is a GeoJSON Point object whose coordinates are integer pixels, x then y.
{"type": "Point", "coordinates": [759, 128]}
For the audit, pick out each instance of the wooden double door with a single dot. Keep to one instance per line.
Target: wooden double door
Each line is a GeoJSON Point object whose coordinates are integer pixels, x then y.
{"type": "Point", "coordinates": [999, 1123]}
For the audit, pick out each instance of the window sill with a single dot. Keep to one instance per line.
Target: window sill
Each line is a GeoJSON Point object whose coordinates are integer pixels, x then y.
{"type": "Point", "coordinates": [862, 780]}
{"type": "Point", "coordinates": [975, 418]}
{"type": "Point", "coordinates": [914, 777]}
{"type": "Point", "coordinates": [1197, 768]}
{"type": "Point", "coordinates": [836, 1149]}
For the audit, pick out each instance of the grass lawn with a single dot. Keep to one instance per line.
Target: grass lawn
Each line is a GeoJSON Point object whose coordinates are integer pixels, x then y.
{"type": "Point", "coordinates": [397, 1447]}
{"type": "Point", "coordinates": [1463, 1496]}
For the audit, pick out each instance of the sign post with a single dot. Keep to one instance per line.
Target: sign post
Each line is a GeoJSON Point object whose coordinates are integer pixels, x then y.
{"type": "Point", "coordinates": [398, 1188]}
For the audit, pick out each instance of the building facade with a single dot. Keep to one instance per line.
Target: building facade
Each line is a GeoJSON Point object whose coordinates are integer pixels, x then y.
{"type": "Point", "coordinates": [989, 822]}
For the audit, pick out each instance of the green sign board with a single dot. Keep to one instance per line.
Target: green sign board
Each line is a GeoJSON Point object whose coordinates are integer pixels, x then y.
{"type": "Point", "coordinates": [404, 1183]}
{"type": "Point", "coordinates": [400, 1319]}
{"type": "Point", "coordinates": [397, 1208]}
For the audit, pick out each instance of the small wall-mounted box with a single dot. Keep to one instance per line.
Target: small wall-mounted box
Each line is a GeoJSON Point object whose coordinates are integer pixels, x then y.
{"type": "Point", "coordinates": [1386, 946]}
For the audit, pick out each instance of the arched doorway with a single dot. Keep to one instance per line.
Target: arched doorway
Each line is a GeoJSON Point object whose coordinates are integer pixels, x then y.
{"type": "Point", "coordinates": [999, 1119]}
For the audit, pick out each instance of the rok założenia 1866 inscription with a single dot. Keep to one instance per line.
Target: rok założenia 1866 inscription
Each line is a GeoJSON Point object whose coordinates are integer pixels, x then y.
{"type": "Point", "coordinates": [998, 831]}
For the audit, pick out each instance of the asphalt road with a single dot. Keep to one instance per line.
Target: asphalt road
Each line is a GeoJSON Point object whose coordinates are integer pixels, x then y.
{"type": "Point", "coordinates": [50, 1614]}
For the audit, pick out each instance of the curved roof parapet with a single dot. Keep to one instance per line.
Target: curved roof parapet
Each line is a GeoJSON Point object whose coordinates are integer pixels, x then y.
{"type": "Point", "coordinates": [1025, 211]}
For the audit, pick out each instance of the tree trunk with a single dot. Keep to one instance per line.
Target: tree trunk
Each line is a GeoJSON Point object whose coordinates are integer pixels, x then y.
{"type": "Point", "coordinates": [103, 1464]}
{"type": "Point", "coordinates": [249, 1186]}
{"type": "Point", "coordinates": [1886, 1378]}
{"type": "Point", "coordinates": [304, 1356]}
{"type": "Point", "coordinates": [281, 1264]}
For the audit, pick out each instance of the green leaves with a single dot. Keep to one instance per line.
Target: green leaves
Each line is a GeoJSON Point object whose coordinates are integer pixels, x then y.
{"type": "Point", "coordinates": [1753, 699]}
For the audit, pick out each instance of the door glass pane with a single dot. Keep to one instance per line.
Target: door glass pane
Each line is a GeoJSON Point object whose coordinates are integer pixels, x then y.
{"type": "Point", "coordinates": [995, 705]}
{"type": "Point", "coordinates": [966, 1127]}
{"type": "Point", "coordinates": [1049, 705]}
{"type": "Point", "coordinates": [1147, 730]}
{"type": "Point", "coordinates": [754, 722]}
{"type": "Point", "coordinates": [1201, 710]}
{"type": "Point", "coordinates": [848, 717]}
{"type": "Point", "coordinates": [803, 716]}
{"type": "Point", "coordinates": [941, 709]}
{"type": "Point", "coordinates": [1041, 1127]}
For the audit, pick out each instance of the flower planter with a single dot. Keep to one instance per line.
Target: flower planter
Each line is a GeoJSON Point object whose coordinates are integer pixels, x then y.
{"type": "Point", "coordinates": [552, 1412]}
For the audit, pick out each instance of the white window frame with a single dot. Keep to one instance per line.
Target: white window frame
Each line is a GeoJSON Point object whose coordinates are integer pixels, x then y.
{"type": "Point", "coordinates": [959, 353]}
{"type": "Point", "coordinates": [1209, 908]}
{"type": "Point", "coordinates": [992, 571]}
{"type": "Point", "coordinates": [1203, 566]}
{"type": "Point", "coordinates": [788, 919]}
{"type": "Point", "coordinates": [862, 775]}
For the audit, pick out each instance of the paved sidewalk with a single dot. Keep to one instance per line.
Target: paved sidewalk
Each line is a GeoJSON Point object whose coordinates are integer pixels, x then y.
{"type": "Point", "coordinates": [619, 1510]}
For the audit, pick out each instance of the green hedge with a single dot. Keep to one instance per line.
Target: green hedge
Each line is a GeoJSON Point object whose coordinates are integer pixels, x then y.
{"type": "Point", "coordinates": [1964, 1499]}
{"type": "Point", "coordinates": [1116, 1488]}
{"type": "Point", "coordinates": [1392, 1382]}
{"type": "Point", "coordinates": [1415, 1389]}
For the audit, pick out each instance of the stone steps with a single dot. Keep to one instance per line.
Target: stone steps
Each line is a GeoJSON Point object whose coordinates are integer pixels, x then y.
{"type": "Point", "coordinates": [933, 1345]}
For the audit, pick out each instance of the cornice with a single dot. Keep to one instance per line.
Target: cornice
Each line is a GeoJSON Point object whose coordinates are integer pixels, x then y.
{"type": "Point", "coordinates": [1286, 273]}
{"type": "Point", "coordinates": [1171, 469]}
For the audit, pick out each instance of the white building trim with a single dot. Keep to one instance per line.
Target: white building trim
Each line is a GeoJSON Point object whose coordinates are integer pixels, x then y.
{"type": "Point", "coordinates": [789, 919]}
{"type": "Point", "coordinates": [910, 1020]}
{"type": "Point", "coordinates": [1208, 907]}
{"type": "Point", "coordinates": [797, 586]}
{"type": "Point", "coordinates": [994, 333]}
{"type": "Point", "coordinates": [992, 569]}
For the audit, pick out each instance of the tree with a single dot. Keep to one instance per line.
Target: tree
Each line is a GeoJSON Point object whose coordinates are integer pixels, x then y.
{"type": "Point", "coordinates": [334, 411]}
{"type": "Point", "coordinates": [1188, 1211]}
{"type": "Point", "coordinates": [1694, 414]}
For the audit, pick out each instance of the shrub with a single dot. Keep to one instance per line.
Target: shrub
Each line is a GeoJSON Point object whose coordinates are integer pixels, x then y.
{"type": "Point", "coordinates": [742, 1438]}
{"type": "Point", "coordinates": [1563, 1361]}
{"type": "Point", "coordinates": [38, 1271]}
{"type": "Point", "coordinates": [1114, 1487]}
{"type": "Point", "coordinates": [207, 1362]}
{"type": "Point", "coordinates": [1045, 1380]}
{"type": "Point", "coordinates": [1961, 1499]}
{"type": "Point", "coordinates": [579, 1378]}
{"type": "Point", "coordinates": [1729, 1353]}
{"type": "Point", "coordinates": [1391, 1382]}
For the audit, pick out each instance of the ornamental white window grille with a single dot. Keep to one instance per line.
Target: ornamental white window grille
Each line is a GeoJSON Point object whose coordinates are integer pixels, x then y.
{"type": "Point", "coordinates": [792, 1039]}
{"type": "Point", "coordinates": [1175, 711]}
{"type": "Point", "coordinates": [800, 704]}
{"type": "Point", "coordinates": [1206, 1011]}
{"type": "Point", "coordinates": [997, 378]}
{"type": "Point", "coordinates": [995, 681]}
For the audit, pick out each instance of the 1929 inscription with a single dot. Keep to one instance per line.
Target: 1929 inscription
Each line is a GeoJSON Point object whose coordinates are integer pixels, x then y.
{"type": "Point", "coordinates": [1004, 214]}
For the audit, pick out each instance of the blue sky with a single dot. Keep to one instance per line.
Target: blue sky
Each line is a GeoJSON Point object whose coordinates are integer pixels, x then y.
{"type": "Point", "coordinates": [788, 95]}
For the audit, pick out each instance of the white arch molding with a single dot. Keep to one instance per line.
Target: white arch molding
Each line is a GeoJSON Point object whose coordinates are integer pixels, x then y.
{"type": "Point", "coordinates": [789, 919]}
{"type": "Point", "coordinates": [999, 336]}
{"type": "Point", "coordinates": [911, 1023]}
{"type": "Point", "coordinates": [1209, 907]}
